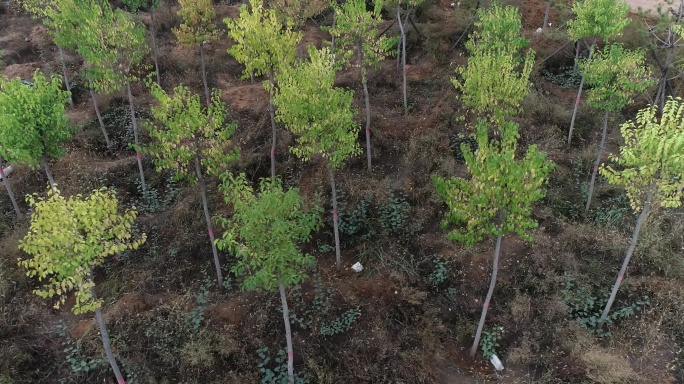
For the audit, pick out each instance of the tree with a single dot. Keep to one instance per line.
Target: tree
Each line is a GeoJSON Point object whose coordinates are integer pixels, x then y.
{"type": "Point", "coordinates": [651, 168]}
{"type": "Point", "coordinates": [197, 29]}
{"type": "Point", "coordinates": [113, 44]}
{"type": "Point", "coordinates": [70, 237]}
{"type": "Point", "coordinates": [322, 118]}
{"type": "Point", "coordinates": [490, 83]}
{"type": "Point", "coordinates": [616, 75]}
{"type": "Point", "coordinates": [667, 36]}
{"type": "Point", "coordinates": [403, 25]}
{"type": "Point", "coordinates": [83, 17]}
{"type": "Point", "coordinates": [295, 13]}
{"type": "Point", "coordinates": [265, 48]}
{"type": "Point", "coordinates": [497, 31]}
{"type": "Point", "coordinates": [190, 134]}
{"type": "Point", "coordinates": [498, 197]}
{"type": "Point", "coordinates": [59, 25]}
{"type": "Point", "coordinates": [264, 233]}
{"type": "Point", "coordinates": [34, 123]}
{"type": "Point", "coordinates": [598, 19]}
{"type": "Point", "coordinates": [356, 30]}
{"type": "Point", "coordinates": [135, 6]}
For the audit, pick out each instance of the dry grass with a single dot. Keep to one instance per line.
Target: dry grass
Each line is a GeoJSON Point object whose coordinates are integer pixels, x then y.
{"type": "Point", "coordinates": [607, 367]}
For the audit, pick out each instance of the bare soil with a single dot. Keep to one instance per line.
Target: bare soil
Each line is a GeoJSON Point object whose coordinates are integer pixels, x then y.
{"type": "Point", "coordinates": [410, 330]}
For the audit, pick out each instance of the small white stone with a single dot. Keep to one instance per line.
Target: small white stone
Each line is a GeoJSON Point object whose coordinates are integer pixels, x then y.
{"type": "Point", "coordinates": [539, 30]}
{"type": "Point", "coordinates": [357, 267]}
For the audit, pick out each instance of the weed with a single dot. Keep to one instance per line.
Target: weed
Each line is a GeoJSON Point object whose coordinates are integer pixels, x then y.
{"type": "Point", "coordinates": [587, 308]}
{"type": "Point", "coordinates": [567, 77]}
{"type": "Point", "coordinates": [152, 200]}
{"type": "Point", "coordinates": [611, 211]}
{"type": "Point", "coordinates": [490, 341]}
{"type": "Point", "coordinates": [316, 315]}
{"type": "Point", "coordinates": [319, 307]}
{"type": "Point", "coordinates": [341, 324]}
{"type": "Point", "coordinates": [354, 221]}
{"type": "Point", "coordinates": [394, 214]}
{"type": "Point", "coordinates": [456, 143]}
{"type": "Point", "coordinates": [440, 273]}
{"type": "Point", "coordinates": [78, 361]}
{"type": "Point", "coordinates": [275, 374]}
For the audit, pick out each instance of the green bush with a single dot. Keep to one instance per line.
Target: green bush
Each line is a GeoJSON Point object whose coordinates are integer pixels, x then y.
{"type": "Point", "coordinates": [490, 341]}
{"type": "Point", "coordinates": [587, 308]}
{"type": "Point", "coordinates": [394, 214]}
{"type": "Point", "coordinates": [275, 374]}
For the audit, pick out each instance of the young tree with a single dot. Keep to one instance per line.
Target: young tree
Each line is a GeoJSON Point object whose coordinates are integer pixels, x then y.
{"type": "Point", "coordinates": [651, 168]}
{"type": "Point", "coordinates": [70, 237]}
{"type": "Point", "coordinates": [598, 19]}
{"type": "Point", "coordinates": [190, 134]}
{"type": "Point", "coordinates": [83, 18]}
{"type": "Point", "coordinates": [497, 31]}
{"type": "Point", "coordinates": [295, 13]}
{"type": "Point", "coordinates": [498, 197]}
{"type": "Point", "coordinates": [356, 30]}
{"type": "Point", "coordinates": [490, 83]}
{"type": "Point", "coordinates": [410, 6]}
{"type": "Point", "coordinates": [113, 44]}
{"type": "Point", "coordinates": [667, 37]}
{"type": "Point", "coordinates": [264, 233]}
{"type": "Point", "coordinates": [135, 6]}
{"type": "Point", "coordinates": [34, 123]}
{"type": "Point", "coordinates": [60, 27]}
{"type": "Point", "coordinates": [265, 48]}
{"type": "Point", "coordinates": [322, 118]}
{"type": "Point", "coordinates": [616, 75]}
{"type": "Point", "coordinates": [197, 29]}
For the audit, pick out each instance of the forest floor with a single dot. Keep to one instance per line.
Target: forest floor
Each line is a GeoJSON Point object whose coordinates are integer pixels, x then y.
{"type": "Point", "coordinates": [419, 296]}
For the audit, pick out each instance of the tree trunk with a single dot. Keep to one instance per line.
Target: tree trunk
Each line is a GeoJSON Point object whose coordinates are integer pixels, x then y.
{"type": "Point", "coordinates": [48, 172]}
{"type": "Point", "coordinates": [598, 162]}
{"type": "Point", "coordinates": [288, 331]}
{"type": "Point", "coordinates": [207, 216]}
{"type": "Point", "coordinates": [579, 96]}
{"type": "Point", "coordinates": [105, 337]}
{"type": "Point", "coordinates": [134, 121]}
{"type": "Point", "coordinates": [65, 74]}
{"type": "Point", "coordinates": [271, 112]}
{"type": "Point", "coordinates": [546, 14]}
{"type": "Point", "coordinates": [332, 42]}
{"type": "Point", "coordinates": [155, 49]}
{"type": "Point", "coordinates": [403, 56]}
{"type": "Point", "coordinates": [204, 75]}
{"type": "Point", "coordinates": [485, 307]}
{"type": "Point", "coordinates": [367, 101]}
{"type": "Point", "coordinates": [8, 186]}
{"type": "Point", "coordinates": [99, 119]}
{"type": "Point", "coordinates": [338, 257]}
{"type": "Point", "coordinates": [630, 251]}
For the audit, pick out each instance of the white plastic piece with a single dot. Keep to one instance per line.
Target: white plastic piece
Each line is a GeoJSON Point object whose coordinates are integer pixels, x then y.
{"type": "Point", "coordinates": [357, 267]}
{"type": "Point", "coordinates": [7, 170]}
{"type": "Point", "coordinates": [539, 30]}
{"type": "Point", "coordinates": [496, 363]}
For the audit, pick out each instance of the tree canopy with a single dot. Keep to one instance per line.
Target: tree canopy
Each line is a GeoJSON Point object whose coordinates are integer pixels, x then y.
{"type": "Point", "coordinates": [34, 123]}
{"type": "Point", "coordinates": [70, 236]}
{"type": "Point", "coordinates": [265, 231]}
